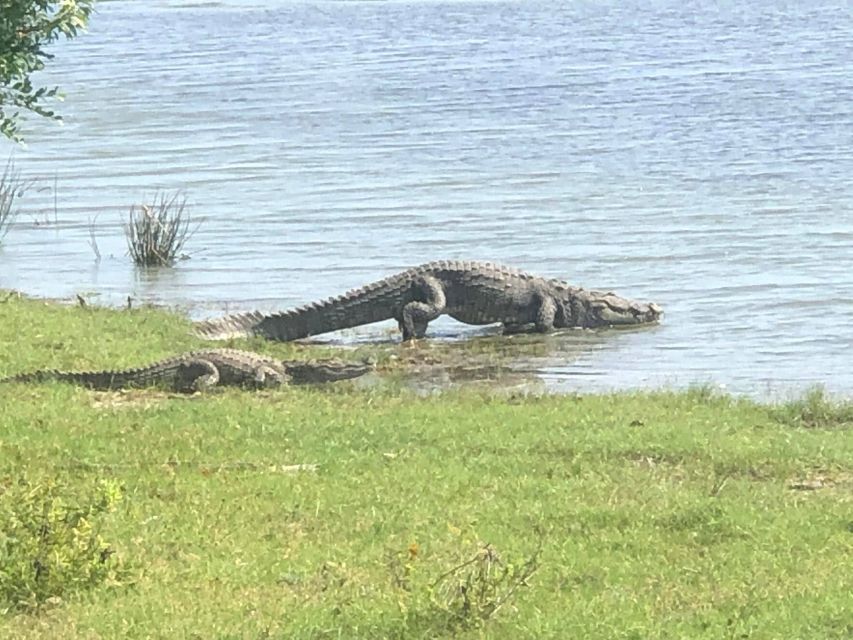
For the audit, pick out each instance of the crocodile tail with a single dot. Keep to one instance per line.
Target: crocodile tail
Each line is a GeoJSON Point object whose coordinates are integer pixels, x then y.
{"type": "Point", "coordinates": [318, 317]}
{"type": "Point", "coordinates": [241, 325]}
{"type": "Point", "coordinates": [33, 376]}
{"type": "Point", "coordinates": [371, 303]}
{"type": "Point", "coordinates": [90, 379]}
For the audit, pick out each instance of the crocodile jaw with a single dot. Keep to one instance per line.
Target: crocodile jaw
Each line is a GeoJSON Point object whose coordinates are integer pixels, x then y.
{"type": "Point", "coordinates": [319, 371]}
{"type": "Point", "coordinates": [614, 311]}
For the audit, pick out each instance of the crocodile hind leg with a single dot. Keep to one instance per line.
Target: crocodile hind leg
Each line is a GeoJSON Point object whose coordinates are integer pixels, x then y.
{"type": "Point", "coordinates": [416, 315]}
{"type": "Point", "coordinates": [196, 375]}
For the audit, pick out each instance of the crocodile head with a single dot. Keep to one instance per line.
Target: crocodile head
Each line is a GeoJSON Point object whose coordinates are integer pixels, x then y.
{"type": "Point", "coordinates": [590, 309]}
{"type": "Point", "coordinates": [330, 370]}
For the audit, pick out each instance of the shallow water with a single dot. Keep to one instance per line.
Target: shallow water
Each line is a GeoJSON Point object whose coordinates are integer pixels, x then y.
{"type": "Point", "coordinates": [695, 154]}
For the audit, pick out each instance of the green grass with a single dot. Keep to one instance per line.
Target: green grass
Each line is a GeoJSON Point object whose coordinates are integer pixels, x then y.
{"type": "Point", "coordinates": [644, 515]}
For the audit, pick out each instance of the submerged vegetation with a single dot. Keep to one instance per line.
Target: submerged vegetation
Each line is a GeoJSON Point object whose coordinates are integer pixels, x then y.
{"type": "Point", "coordinates": [367, 511]}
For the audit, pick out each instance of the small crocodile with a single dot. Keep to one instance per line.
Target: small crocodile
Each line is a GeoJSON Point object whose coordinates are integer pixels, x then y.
{"type": "Point", "coordinates": [472, 292]}
{"type": "Point", "coordinates": [203, 370]}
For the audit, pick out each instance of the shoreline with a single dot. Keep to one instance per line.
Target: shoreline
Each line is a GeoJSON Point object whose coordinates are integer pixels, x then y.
{"type": "Point", "coordinates": [457, 355]}
{"type": "Point", "coordinates": [356, 510]}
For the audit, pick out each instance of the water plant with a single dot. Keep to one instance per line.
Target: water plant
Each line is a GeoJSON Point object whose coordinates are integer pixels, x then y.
{"type": "Point", "coordinates": [12, 187]}
{"type": "Point", "coordinates": [157, 232]}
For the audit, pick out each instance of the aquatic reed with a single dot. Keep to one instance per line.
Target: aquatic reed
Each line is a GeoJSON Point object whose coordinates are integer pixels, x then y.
{"type": "Point", "coordinates": [12, 187]}
{"type": "Point", "coordinates": [157, 232]}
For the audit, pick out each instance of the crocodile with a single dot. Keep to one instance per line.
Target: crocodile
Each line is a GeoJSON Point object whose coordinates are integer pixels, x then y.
{"type": "Point", "coordinates": [475, 293]}
{"type": "Point", "coordinates": [205, 369]}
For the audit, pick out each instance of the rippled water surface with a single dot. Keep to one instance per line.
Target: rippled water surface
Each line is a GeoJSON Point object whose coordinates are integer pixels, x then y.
{"type": "Point", "coordinates": [695, 154]}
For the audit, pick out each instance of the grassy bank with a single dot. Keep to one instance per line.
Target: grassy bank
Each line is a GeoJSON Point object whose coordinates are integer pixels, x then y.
{"type": "Point", "coordinates": [363, 512]}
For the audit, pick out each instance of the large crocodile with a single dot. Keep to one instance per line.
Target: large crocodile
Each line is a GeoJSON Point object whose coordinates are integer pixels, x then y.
{"type": "Point", "coordinates": [202, 370]}
{"type": "Point", "coordinates": [471, 292]}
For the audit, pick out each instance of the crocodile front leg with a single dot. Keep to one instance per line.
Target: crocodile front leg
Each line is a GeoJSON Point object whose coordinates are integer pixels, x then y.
{"type": "Point", "coordinates": [546, 312]}
{"type": "Point", "coordinates": [196, 375]}
{"type": "Point", "coordinates": [415, 316]}
{"type": "Point", "coordinates": [267, 378]}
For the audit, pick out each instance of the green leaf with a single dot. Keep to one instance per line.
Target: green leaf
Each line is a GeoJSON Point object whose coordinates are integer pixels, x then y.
{"type": "Point", "coordinates": [26, 27]}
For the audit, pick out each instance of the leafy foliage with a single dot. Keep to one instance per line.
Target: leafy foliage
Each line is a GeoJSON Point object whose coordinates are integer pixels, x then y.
{"type": "Point", "coordinates": [26, 27]}
{"type": "Point", "coordinates": [50, 543]}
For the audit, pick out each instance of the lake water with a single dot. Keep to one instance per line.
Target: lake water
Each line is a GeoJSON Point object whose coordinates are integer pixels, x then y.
{"type": "Point", "coordinates": [696, 154]}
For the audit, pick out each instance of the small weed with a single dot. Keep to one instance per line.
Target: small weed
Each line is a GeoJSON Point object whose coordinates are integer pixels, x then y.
{"type": "Point", "coordinates": [156, 233]}
{"type": "Point", "coordinates": [815, 410]}
{"type": "Point", "coordinates": [703, 393]}
{"type": "Point", "coordinates": [50, 544]}
{"type": "Point", "coordinates": [474, 591]}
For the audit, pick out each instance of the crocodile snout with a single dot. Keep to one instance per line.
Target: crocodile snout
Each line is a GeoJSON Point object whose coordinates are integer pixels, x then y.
{"type": "Point", "coordinates": [654, 311]}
